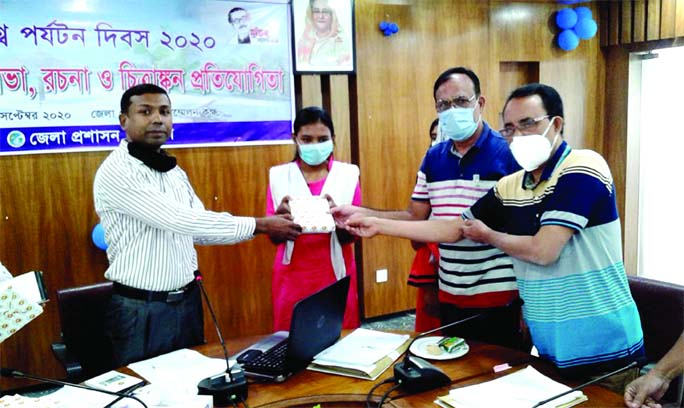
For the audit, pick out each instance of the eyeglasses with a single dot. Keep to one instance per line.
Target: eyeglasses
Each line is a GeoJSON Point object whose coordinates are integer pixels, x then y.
{"type": "Point", "coordinates": [523, 126]}
{"type": "Point", "coordinates": [239, 19]}
{"type": "Point", "coordinates": [459, 102]}
{"type": "Point", "coordinates": [325, 11]}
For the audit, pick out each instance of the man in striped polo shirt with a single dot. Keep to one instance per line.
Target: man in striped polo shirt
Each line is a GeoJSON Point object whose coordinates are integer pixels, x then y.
{"type": "Point", "coordinates": [472, 277]}
{"type": "Point", "coordinates": [558, 221]}
{"type": "Point", "coordinates": [152, 218]}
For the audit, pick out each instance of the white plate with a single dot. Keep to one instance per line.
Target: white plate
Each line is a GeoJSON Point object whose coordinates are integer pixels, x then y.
{"type": "Point", "coordinates": [419, 348]}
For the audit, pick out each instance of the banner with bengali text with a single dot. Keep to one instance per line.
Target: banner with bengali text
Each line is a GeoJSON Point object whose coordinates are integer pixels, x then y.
{"type": "Point", "coordinates": [65, 64]}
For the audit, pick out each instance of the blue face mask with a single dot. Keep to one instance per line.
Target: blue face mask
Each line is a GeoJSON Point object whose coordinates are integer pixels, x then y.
{"type": "Point", "coordinates": [314, 154]}
{"type": "Point", "coordinates": [457, 123]}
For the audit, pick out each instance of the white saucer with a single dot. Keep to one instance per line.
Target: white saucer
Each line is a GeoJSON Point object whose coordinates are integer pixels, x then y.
{"type": "Point", "coordinates": [419, 348]}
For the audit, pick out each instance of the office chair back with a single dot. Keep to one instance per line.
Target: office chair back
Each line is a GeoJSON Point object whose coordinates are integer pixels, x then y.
{"type": "Point", "coordinates": [81, 312]}
{"type": "Point", "coordinates": [661, 308]}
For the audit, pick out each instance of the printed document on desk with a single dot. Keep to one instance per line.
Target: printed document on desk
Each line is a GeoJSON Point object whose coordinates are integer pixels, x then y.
{"type": "Point", "coordinates": [521, 389]}
{"type": "Point", "coordinates": [362, 354]}
{"type": "Point", "coordinates": [178, 372]}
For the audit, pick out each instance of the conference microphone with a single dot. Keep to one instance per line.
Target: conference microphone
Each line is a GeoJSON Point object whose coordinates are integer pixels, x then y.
{"type": "Point", "coordinates": [579, 387]}
{"type": "Point", "coordinates": [415, 374]}
{"type": "Point", "coordinates": [10, 372]}
{"type": "Point", "coordinates": [228, 387]}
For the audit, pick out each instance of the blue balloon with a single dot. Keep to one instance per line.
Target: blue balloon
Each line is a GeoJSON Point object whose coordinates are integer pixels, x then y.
{"type": "Point", "coordinates": [585, 28]}
{"type": "Point", "coordinates": [394, 28]}
{"type": "Point", "coordinates": [568, 40]}
{"type": "Point", "coordinates": [98, 237]}
{"type": "Point", "coordinates": [566, 18]}
{"type": "Point", "coordinates": [583, 12]}
{"type": "Point", "coordinates": [383, 25]}
{"type": "Point", "coordinates": [387, 32]}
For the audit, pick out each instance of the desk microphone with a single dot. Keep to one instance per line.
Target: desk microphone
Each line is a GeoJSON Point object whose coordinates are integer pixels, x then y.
{"type": "Point", "coordinates": [415, 374]}
{"type": "Point", "coordinates": [228, 387]}
{"type": "Point", "coordinates": [579, 387]}
{"type": "Point", "coordinates": [10, 372]}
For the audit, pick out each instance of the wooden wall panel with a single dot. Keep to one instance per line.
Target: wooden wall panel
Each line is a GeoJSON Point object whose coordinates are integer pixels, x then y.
{"type": "Point", "coordinates": [311, 90]}
{"type": "Point", "coordinates": [615, 144]}
{"type": "Point", "coordinates": [626, 29]}
{"type": "Point", "coordinates": [639, 24]}
{"type": "Point", "coordinates": [653, 20]}
{"type": "Point", "coordinates": [640, 21]}
{"type": "Point", "coordinates": [614, 21]}
{"type": "Point", "coordinates": [679, 19]}
{"type": "Point", "coordinates": [667, 18]}
{"type": "Point", "coordinates": [340, 111]}
{"type": "Point", "coordinates": [395, 108]}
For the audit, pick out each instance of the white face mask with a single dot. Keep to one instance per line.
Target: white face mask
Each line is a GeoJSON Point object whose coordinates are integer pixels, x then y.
{"type": "Point", "coordinates": [531, 151]}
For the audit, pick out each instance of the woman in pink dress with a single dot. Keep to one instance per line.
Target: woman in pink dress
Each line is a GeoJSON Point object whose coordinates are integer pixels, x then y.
{"type": "Point", "coordinates": [313, 261]}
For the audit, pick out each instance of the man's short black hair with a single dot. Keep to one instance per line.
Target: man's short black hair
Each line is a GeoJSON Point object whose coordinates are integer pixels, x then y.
{"type": "Point", "coordinates": [234, 10]}
{"type": "Point", "coordinates": [139, 90]}
{"type": "Point", "coordinates": [551, 100]}
{"type": "Point", "coordinates": [444, 76]}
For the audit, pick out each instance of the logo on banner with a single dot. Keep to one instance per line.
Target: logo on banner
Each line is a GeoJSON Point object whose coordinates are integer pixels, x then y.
{"type": "Point", "coordinates": [16, 139]}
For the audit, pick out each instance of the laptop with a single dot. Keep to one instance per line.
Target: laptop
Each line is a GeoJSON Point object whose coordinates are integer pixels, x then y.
{"type": "Point", "coordinates": [316, 324]}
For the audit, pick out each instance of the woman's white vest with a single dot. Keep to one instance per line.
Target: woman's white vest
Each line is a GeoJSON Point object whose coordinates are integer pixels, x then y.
{"type": "Point", "coordinates": [287, 179]}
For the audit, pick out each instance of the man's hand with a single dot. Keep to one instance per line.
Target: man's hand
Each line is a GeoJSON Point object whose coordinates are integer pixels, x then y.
{"type": "Point", "coordinates": [361, 226]}
{"type": "Point", "coordinates": [343, 235]}
{"type": "Point", "coordinates": [477, 231]}
{"type": "Point", "coordinates": [645, 390]}
{"type": "Point", "coordinates": [284, 207]}
{"type": "Point", "coordinates": [342, 213]}
{"type": "Point", "coordinates": [279, 228]}
{"type": "Point", "coordinates": [331, 202]}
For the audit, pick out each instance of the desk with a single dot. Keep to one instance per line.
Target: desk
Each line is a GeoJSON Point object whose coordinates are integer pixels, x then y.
{"type": "Point", "coordinates": [308, 388]}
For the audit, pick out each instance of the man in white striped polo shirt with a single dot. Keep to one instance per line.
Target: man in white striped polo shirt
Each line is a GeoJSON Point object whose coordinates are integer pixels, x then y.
{"type": "Point", "coordinates": [152, 218]}
{"type": "Point", "coordinates": [472, 277]}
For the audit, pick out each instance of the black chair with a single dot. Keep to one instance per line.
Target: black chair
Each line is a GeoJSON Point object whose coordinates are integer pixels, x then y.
{"type": "Point", "coordinates": [85, 351]}
{"type": "Point", "coordinates": [661, 308]}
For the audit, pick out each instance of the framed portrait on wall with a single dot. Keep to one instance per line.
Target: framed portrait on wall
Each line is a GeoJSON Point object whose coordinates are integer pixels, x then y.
{"type": "Point", "coordinates": [323, 36]}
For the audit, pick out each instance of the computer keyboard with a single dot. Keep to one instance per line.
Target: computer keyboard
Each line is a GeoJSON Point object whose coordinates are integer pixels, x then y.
{"type": "Point", "coordinates": [273, 359]}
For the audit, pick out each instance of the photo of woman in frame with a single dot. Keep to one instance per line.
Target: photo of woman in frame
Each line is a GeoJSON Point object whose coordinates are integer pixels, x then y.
{"type": "Point", "coordinates": [323, 32]}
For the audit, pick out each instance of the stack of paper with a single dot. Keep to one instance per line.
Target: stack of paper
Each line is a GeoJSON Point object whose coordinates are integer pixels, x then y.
{"type": "Point", "coordinates": [522, 389]}
{"type": "Point", "coordinates": [174, 376]}
{"type": "Point", "coordinates": [362, 354]}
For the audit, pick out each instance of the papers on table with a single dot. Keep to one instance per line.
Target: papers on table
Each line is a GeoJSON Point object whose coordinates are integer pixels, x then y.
{"type": "Point", "coordinates": [113, 381]}
{"type": "Point", "coordinates": [180, 371]}
{"type": "Point", "coordinates": [65, 397]}
{"type": "Point", "coordinates": [173, 377]}
{"type": "Point", "coordinates": [362, 354]}
{"type": "Point", "coordinates": [522, 389]}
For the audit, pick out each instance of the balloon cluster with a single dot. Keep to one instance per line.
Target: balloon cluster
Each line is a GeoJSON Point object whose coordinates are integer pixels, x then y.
{"type": "Point", "coordinates": [575, 24]}
{"type": "Point", "coordinates": [388, 28]}
{"type": "Point", "coordinates": [98, 237]}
